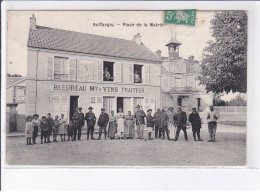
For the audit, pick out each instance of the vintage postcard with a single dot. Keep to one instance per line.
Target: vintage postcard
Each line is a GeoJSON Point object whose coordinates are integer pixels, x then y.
{"type": "Point", "coordinates": [126, 88]}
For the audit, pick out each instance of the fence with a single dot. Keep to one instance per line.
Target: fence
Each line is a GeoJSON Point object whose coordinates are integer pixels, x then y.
{"type": "Point", "coordinates": [232, 113]}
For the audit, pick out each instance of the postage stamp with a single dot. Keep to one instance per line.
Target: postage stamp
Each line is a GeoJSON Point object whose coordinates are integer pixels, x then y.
{"type": "Point", "coordinates": [181, 17]}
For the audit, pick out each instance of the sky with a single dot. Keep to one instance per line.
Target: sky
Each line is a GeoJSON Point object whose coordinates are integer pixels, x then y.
{"type": "Point", "coordinates": [193, 39]}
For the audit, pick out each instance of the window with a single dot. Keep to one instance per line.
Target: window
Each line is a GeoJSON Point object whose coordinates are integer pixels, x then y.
{"type": "Point", "coordinates": [108, 71]}
{"type": "Point", "coordinates": [61, 68]}
{"type": "Point", "coordinates": [178, 82]}
{"type": "Point", "coordinates": [19, 93]}
{"type": "Point", "coordinates": [138, 74]}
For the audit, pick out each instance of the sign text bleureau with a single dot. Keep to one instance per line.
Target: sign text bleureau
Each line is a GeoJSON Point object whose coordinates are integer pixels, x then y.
{"type": "Point", "coordinates": [105, 89]}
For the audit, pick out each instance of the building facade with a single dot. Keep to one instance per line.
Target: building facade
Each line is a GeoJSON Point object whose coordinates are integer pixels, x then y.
{"type": "Point", "coordinates": [179, 81]}
{"type": "Point", "coordinates": [69, 69]}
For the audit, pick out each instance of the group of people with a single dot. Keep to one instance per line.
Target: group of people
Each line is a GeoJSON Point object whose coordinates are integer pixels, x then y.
{"type": "Point", "coordinates": [120, 126]}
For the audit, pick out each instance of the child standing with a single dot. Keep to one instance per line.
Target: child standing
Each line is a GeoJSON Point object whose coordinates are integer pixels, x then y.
{"type": "Point", "coordinates": [36, 124]}
{"type": "Point", "coordinates": [62, 128]}
{"type": "Point", "coordinates": [56, 128]}
{"type": "Point", "coordinates": [29, 130]}
{"type": "Point", "coordinates": [44, 128]}
{"type": "Point", "coordinates": [70, 130]}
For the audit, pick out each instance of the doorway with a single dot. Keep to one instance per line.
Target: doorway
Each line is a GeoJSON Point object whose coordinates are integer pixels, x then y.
{"type": "Point", "coordinates": [198, 104]}
{"type": "Point", "coordinates": [73, 105]}
{"type": "Point", "coordinates": [179, 103]}
{"type": "Point", "coordinates": [120, 103]}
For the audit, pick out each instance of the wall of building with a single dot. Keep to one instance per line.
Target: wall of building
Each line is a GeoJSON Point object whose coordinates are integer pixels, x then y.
{"type": "Point", "coordinates": [43, 61]}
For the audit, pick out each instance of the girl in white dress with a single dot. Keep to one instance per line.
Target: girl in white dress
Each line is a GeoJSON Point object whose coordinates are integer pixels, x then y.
{"type": "Point", "coordinates": [120, 122]}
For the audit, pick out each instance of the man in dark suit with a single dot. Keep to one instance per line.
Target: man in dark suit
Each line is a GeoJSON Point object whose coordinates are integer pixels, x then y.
{"type": "Point", "coordinates": [194, 119]}
{"type": "Point", "coordinates": [81, 122]}
{"type": "Point", "coordinates": [181, 124]}
{"type": "Point", "coordinates": [91, 121]}
{"type": "Point", "coordinates": [102, 123]}
{"type": "Point", "coordinates": [157, 117]}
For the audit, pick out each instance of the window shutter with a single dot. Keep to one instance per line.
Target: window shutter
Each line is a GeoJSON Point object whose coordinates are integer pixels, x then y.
{"type": "Point", "coordinates": [100, 71]}
{"type": "Point", "coordinates": [91, 70]}
{"type": "Point", "coordinates": [152, 104]}
{"type": "Point", "coordinates": [82, 70]}
{"type": "Point", "coordinates": [50, 72]}
{"type": "Point", "coordinates": [131, 73]}
{"type": "Point", "coordinates": [146, 75]}
{"type": "Point", "coordinates": [118, 69]}
{"type": "Point", "coordinates": [73, 69]}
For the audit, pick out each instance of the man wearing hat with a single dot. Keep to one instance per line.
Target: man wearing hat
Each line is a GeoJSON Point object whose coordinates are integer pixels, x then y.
{"type": "Point", "coordinates": [81, 122]}
{"type": "Point", "coordinates": [156, 117]}
{"type": "Point", "coordinates": [139, 116]}
{"type": "Point", "coordinates": [75, 119]}
{"type": "Point", "coordinates": [91, 121]}
{"type": "Point", "coordinates": [36, 124]}
{"type": "Point", "coordinates": [181, 121]}
{"type": "Point", "coordinates": [102, 123]}
{"type": "Point", "coordinates": [194, 119]}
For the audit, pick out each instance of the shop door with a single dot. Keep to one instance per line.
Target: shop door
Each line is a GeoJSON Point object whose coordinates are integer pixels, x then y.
{"type": "Point", "coordinates": [126, 105]}
{"type": "Point", "coordinates": [73, 105]}
{"type": "Point", "coordinates": [120, 103]}
{"type": "Point", "coordinates": [108, 104]}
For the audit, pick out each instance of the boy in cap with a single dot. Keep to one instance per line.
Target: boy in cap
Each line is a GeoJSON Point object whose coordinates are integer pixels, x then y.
{"type": "Point", "coordinates": [194, 119]}
{"type": "Point", "coordinates": [91, 121]}
{"type": "Point", "coordinates": [139, 116]}
{"type": "Point", "coordinates": [102, 123]}
{"type": "Point", "coordinates": [36, 124]}
{"type": "Point", "coordinates": [50, 127]}
{"type": "Point", "coordinates": [44, 129]}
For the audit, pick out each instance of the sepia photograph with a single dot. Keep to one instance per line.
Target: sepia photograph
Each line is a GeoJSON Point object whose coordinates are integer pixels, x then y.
{"type": "Point", "coordinates": [126, 88]}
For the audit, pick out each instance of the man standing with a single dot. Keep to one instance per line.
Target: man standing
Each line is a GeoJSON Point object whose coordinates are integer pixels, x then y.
{"type": "Point", "coordinates": [212, 118]}
{"type": "Point", "coordinates": [139, 116]}
{"type": "Point", "coordinates": [172, 123]}
{"type": "Point", "coordinates": [150, 123]}
{"type": "Point", "coordinates": [75, 119]}
{"type": "Point", "coordinates": [156, 117]}
{"type": "Point", "coordinates": [164, 125]}
{"type": "Point", "coordinates": [81, 122]}
{"type": "Point", "coordinates": [181, 124]}
{"type": "Point", "coordinates": [194, 119]}
{"type": "Point", "coordinates": [102, 123]}
{"type": "Point", "coordinates": [91, 121]}
{"type": "Point", "coordinates": [50, 127]}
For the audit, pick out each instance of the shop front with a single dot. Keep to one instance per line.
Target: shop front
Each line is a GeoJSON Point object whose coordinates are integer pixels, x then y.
{"type": "Point", "coordinates": [64, 97]}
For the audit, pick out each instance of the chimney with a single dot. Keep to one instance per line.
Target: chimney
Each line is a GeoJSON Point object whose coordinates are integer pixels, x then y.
{"type": "Point", "coordinates": [137, 39]}
{"type": "Point", "coordinates": [33, 22]}
{"type": "Point", "coordinates": [158, 53]}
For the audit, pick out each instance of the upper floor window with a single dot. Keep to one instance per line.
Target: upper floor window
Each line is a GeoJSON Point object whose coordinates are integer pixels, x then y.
{"type": "Point", "coordinates": [108, 71]}
{"type": "Point", "coordinates": [138, 73]}
{"type": "Point", "coordinates": [61, 68]}
{"type": "Point", "coordinates": [19, 94]}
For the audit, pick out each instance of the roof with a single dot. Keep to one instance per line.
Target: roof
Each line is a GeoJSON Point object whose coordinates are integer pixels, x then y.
{"type": "Point", "coordinates": [13, 80]}
{"type": "Point", "coordinates": [64, 40]}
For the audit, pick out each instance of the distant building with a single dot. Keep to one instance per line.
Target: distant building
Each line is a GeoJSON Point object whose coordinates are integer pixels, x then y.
{"type": "Point", "coordinates": [180, 84]}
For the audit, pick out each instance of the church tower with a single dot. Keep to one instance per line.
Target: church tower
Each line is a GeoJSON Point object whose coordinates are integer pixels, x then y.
{"type": "Point", "coordinates": [173, 45]}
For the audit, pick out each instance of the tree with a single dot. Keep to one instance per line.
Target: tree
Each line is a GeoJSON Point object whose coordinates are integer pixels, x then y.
{"type": "Point", "coordinates": [224, 60]}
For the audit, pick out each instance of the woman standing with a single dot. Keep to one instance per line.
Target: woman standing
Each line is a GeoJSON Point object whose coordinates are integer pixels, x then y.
{"type": "Point", "coordinates": [112, 126]}
{"type": "Point", "coordinates": [121, 122]}
{"type": "Point", "coordinates": [129, 126]}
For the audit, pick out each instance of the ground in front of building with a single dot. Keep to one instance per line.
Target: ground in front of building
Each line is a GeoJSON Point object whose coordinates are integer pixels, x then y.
{"type": "Point", "coordinates": [229, 150]}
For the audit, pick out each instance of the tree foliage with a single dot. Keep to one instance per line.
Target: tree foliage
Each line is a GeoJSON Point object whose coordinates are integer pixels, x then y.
{"type": "Point", "coordinates": [224, 61]}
